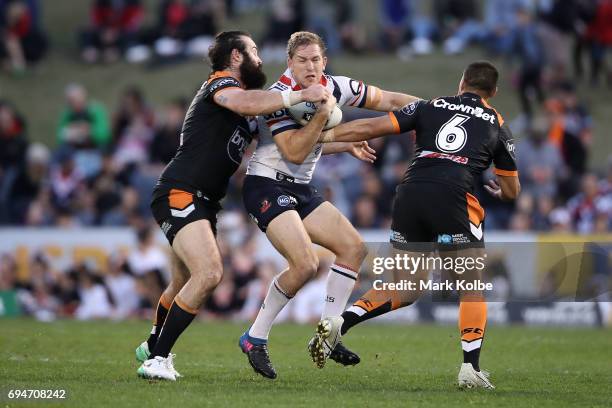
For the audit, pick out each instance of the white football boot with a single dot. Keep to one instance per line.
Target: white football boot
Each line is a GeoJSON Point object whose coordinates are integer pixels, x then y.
{"type": "Point", "coordinates": [157, 368]}
{"type": "Point", "coordinates": [170, 363]}
{"type": "Point", "coordinates": [325, 339]}
{"type": "Point", "coordinates": [470, 378]}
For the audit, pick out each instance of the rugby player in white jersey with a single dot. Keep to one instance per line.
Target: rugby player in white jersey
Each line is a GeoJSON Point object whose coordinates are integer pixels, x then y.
{"type": "Point", "coordinates": [279, 198]}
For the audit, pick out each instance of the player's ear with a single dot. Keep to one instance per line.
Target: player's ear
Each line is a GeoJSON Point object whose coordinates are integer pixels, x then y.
{"type": "Point", "coordinates": [324, 62]}
{"type": "Point", "coordinates": [494, 92]}
{"type": "Point", "coordinates": [236, 57]}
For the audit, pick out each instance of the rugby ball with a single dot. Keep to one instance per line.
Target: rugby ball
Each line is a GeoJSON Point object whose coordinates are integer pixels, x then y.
{"type": "Point", "coordinates": [303, 112]}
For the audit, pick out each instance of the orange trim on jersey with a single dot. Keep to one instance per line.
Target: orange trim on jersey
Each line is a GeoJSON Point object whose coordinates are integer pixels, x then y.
{"type": "Point", "coordinates": [506, 173]}
{"type": "Point", "coordinates": [499, 116]}
{"type": "Point", "coordinates": [184, 306]}
{"type": "Point", "coordinates": [179, 199]}
{"type": "Point", "coordinates": [396, 126]}
{"type": "Point", "coordinates": [475, 211]}
{"type": "Point", "coordinates": [219, 74]}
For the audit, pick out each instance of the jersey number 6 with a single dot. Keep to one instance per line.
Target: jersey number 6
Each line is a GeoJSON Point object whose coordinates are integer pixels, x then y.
{"type": "Point", "coordinates": [452, 136]}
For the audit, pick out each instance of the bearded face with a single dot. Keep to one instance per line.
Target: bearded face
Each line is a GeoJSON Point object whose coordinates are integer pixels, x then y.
{"type": "Point", "coordinates": [251, 73]}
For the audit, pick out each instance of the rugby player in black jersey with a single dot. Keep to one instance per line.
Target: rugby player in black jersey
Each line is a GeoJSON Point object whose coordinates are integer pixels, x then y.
{"type": "Point", "coordinates": [216, 132]}
{"type": "Point", "coordinates": [457, 138]}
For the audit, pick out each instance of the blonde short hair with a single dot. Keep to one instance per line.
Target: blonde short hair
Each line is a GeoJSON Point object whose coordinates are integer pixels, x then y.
{"type": "Point", "coordinates": [301, 38]}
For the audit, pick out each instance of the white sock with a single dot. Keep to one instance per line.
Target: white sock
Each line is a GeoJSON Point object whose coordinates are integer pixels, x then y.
{"type": "Point", "coordinates": [340, 283]}
{"type": "Point", "coordinates": [275, 301]}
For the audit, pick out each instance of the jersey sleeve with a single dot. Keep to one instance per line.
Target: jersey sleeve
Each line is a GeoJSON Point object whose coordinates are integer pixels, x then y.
{"type": "Point", "coordinates": [280, 121]}
{"type": "Point", "coordinates": [504, 157]}
{"type": "Point", "coordinates": [405, 119]}
{"type": "Point", "coordinates": [218, 84]}
{"type": "Point", "coordinates": [352, 92]}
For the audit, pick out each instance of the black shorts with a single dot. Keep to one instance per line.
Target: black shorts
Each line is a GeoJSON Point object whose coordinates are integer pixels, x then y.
{"type": "Point", "coordinates": [430, 215]}
{"type": "Point", "coordinates": [265, 199]}
{"type": "Point", "coordinates": [174, 207]}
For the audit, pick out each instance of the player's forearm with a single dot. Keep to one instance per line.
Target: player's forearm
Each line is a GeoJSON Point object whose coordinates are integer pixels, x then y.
{"type": "Point", "coordinates": [336, 147]}
{"type": "Point", "coordinates": [301, 143]}
{"type": "Point", "coordinates": [354, 131]}
{"type": "Point", "coordinates": [257, 102]}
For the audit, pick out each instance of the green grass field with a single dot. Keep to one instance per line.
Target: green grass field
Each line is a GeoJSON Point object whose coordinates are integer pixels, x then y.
{"type": "Point", "coordinates": [401, 366]}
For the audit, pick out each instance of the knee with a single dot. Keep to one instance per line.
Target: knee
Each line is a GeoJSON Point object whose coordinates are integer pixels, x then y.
{"type": "Point", "coordinates": [177, 282]}
{"type": "Point", "coordinates": [307, 267]}
{"type": "Point", "coordinates": [208, 279]}
{"type": "Point", "coordinates": [354, 250]}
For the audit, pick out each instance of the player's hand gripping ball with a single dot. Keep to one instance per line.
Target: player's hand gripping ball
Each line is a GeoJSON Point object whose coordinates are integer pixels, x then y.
{"type": "Point", "coordinates": [303, 112]}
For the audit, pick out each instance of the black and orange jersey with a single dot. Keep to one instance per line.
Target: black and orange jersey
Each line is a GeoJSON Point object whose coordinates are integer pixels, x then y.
{"type": "Point", "coordinates": [457, 138]}
{"type": "Point", "coordinates": [213, 141]}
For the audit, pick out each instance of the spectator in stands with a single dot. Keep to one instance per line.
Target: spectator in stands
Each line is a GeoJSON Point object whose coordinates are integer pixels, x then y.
{"type": "Point", "coordinates": [591, 210]}
{"type": "Point", "coordinates": [21, 41]}
{"type": "Point", "coordinates": [539, 161]}
{"type": "Point", "coordinates": [94, 300]}
{"type": "Point", "coordinates": [66, 181]}
{"type": "Point", "coordinates": [83, 123]}
{"type": "Point", "coordinates": [12, 137]}
{"type": "Point", "coordinates": [284, 18]}
{"type": "Point", "coordinates": [500, 21]}
{"type": "Point", "coordinates": [149, 263]}
{"type": "Point", "coordinates": [167, 135]}
{"type": "Point", "coordinates": [599, 33]}
{"type": "Point", "coordinates": [527, 46]}
{"type": "Point", "coordinates": [336, 22]}
{"type": "Point", "coordinates": [560, 20]}
{"type": "Point", "coordinates": [459, 24]}
{"type": "Point", "coordinates": [364, 213]}
{"type": "Point", "coordinates": [132, 128]}
{"type": "Point", "coordinates": [122, 288]}
{"type": "Point", "coordinates": [25, 185]}
{"type": "Point", "coordinates": [113, 28]}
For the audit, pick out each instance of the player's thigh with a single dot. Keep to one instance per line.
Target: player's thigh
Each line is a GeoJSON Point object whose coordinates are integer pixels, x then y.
{"type": "Point", "coordinates": [287, 234]}
{"type": "Point", "coordinates": [196, 246]}
{"type": "Point", "coordinates": [411, 219]}
{"type": "Point", "coordinates": [328, 227]}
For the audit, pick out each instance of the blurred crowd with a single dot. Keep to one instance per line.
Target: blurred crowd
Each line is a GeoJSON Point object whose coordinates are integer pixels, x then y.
{"type": "Point", "coordinates": [106, 160]}
{"type": "Point", "coordinates": [129, 284]}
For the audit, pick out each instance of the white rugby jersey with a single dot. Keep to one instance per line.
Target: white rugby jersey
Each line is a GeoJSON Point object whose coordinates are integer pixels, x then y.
{"type": "Point", "coordinates": [267, 160]}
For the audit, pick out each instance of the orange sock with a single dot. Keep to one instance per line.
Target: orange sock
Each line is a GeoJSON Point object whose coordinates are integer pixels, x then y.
{"type": "Point", "coordinates": [472, 322]}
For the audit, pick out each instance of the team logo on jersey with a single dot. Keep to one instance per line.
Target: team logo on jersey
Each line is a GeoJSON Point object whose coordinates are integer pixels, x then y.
{"type": "Point", "coordinates": [445, 239]}
{"type": "Point", "coordinates": [409, 109]}
{"type": "Point", "coordinates": [285, 200]}
{"type": "Point", "coordinates": [265, 206]}
{"type": "Point", "coordinates": [355, 86]}
{"type": "Point", "coordinates": [222, 83]}
{"type": "Point", "coordinates": [237, 144]}
{"type": "Point", "coordinates": [397, 236]}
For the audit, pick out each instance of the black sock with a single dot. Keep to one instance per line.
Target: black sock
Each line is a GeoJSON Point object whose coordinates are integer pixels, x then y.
{"type": "Point", "coordinates": [350, 320]}
{"type": "Point", "coordinates": [176, 322]}
{"type": "Point", "coordinates": [472, 357]}
{"type": "Point", "coordinates": [160, 317]}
